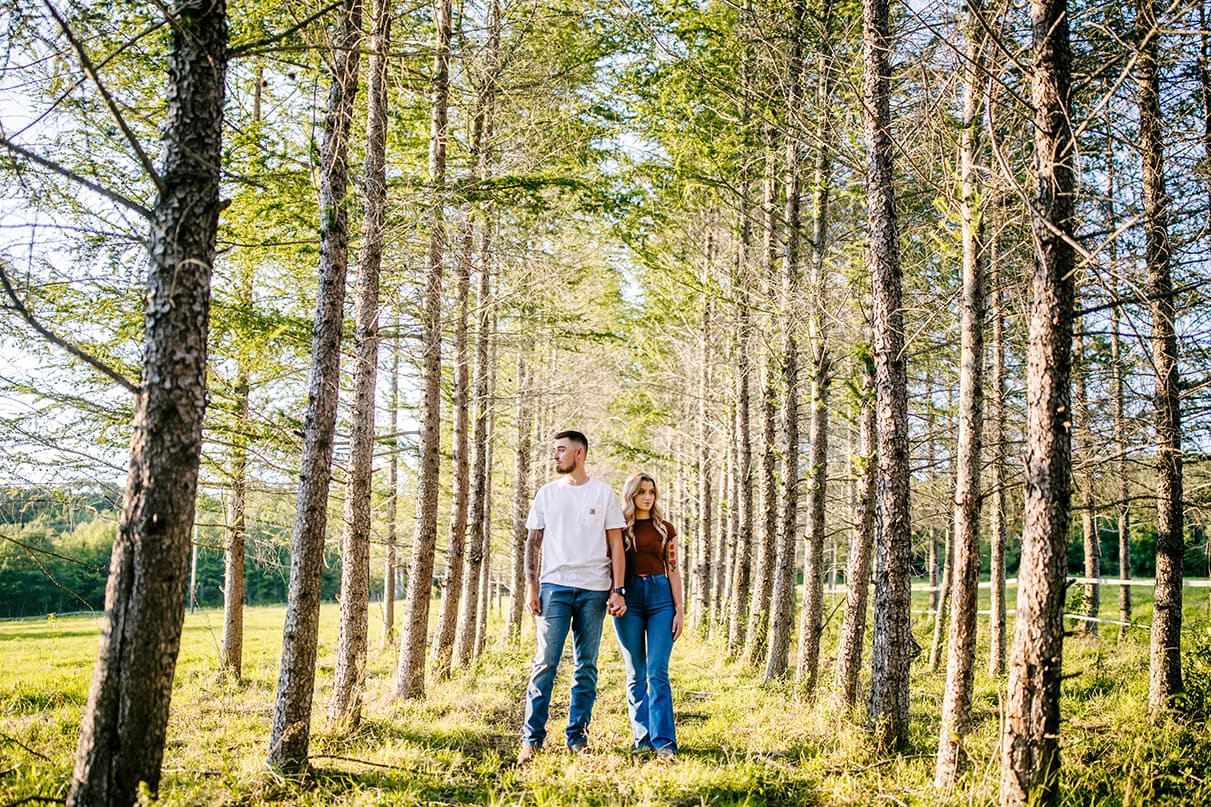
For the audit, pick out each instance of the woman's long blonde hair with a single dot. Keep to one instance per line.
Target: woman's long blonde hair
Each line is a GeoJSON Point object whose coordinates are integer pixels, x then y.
{"type": "Point", "coordinates": [628, 510]}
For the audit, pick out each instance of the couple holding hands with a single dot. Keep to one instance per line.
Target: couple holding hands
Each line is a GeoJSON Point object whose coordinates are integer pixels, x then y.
{"type": "Point", "coordinates": [587, 556]}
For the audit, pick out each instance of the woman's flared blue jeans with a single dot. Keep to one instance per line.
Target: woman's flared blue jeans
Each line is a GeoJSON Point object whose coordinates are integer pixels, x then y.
{"type": "Point", "coordinates": [645, 633]}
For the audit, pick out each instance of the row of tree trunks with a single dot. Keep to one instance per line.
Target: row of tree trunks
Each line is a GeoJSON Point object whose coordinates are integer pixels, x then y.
{"type": "Point", "coordinates": [290, 736]}
{"type": "Point", "coordinates": [125, 720]}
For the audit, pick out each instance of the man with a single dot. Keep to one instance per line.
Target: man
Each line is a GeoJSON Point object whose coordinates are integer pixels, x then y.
{"type": "Point", "coordinates": [575, 541]}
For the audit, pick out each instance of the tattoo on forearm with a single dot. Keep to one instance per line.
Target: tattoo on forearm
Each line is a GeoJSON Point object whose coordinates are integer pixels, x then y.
{"type": "Point", "coordinates": [533, 555]}
{"type": "Point", "coordinates": [672, 559]}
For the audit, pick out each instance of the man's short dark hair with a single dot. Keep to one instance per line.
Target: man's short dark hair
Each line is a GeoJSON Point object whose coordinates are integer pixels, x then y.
{"type": "Point", "coordinates": [575, 437]}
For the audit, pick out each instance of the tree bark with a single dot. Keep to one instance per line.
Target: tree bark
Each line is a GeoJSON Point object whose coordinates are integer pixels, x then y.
{"type": "Point", "coordinates": [968, 499]}
{"type": "Point", "coordinates": [783, 598]}
{"type": "Point", "coordinates": [521, 495]}
{"type": "Point", "coordinates": [125, 720]}
{"type": "Point", "coordinates": [757, 635]}
{"type": "Point", "coordinates": [1165, 669]}
{"type": "Point", "coordinates": [1030, 743]}
{"type": "Point", "coordinates": [468, 616]}
{"type": "Point", "coordinates": [232, 652]}
{"type": "Point", "coordinates": [700, 617]}
{"type": "Point", "coordinates": [943, 609]}
{"type": "Point", "coordinates": [1123, 520]}
{"type": "Point", "coordinates": [862, 539]}
{"type": "Point", "coordinates": [290, 736]}
{"type": "Point", "coordinates": [996, 527]}
{"type": "Point", "coordinates": [1084, 427]}
{"type": "Point", "coordinates": [392, 505]}
{"type": "Point", "coordinates": [410, 671]}
{"type": "Point", "coordinates": [349, 678]}
{"type": "Point", "coordinates": [892, 636]}
{"type": "Point", "coordinates": [811, 622]}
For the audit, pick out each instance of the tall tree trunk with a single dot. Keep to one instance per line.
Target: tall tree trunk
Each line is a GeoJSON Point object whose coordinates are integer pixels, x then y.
{"type": "Point", "coordinates": [944, 585]}
{"type": "Point", "coordinates": [485, 568]}
{"type": "Point", "coordinates": [968, 499]}
{"type": "Point", "coordinates": [700, 617]}
{"type": "Point", "coordinates": [742, 503]}
{"type": "Point", "coordinates": [862, 539]}
{"type": "Point", "coordinates": [122, 736]}
{"type": "Point", "coordinates": [811, 622]}
{"type": "Point", "coordinates": [783, 598]}
{"type": "Point", "coordinates": [521, 494]}
{"type": "Point", "coordinates": [997, 527]}
{"type": "Point", "coordinates": [1165, 669]}
{"type": "Point", "coordinates": [1123, 520]}
{"type": "Point", "coordinates": [349, 678]}
{"type": "Point", "coordinates": [410, 671]}
{"type": "Point", "coordinates": [1084, 477]}
{"type": "Point", "coordinates": [767, 552]}
{"type": "Point", "coordinates": [291, 733]}
{"type": "Point", "coordinates": [392, 505]}
{"type": "Point", "coordinates": [1030, 743]}
{"type": "Point", "coordinates": [468, 616]}
{"type": "Point", "coordinates": [892, 634]}
{"type": "Point", "coordinates": [232, 652]}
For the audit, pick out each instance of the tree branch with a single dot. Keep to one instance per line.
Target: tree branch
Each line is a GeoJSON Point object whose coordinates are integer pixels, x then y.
{"type": "Point", "coordinates": [113, 196]}
{"type": "Point", "coordinates": [244, 50]}
{"type": "Point", "coordinates": [79, 353]}
{"type": "Point", "coordinates": [110, 104]}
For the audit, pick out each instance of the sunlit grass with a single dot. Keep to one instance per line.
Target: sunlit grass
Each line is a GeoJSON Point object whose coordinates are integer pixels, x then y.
{"type": "Point", "coordinates": [742, 742]}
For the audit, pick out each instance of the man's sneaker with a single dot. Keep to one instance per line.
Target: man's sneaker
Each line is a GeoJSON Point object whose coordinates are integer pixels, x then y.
{"type": "Point", "coordinates": [578, 747]}
{"type": "Point", "coordinates": [526, 755]}
{"type": "Point", "coordinates": [666, 753]}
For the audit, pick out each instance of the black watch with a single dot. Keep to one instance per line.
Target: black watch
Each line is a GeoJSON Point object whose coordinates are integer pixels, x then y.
{"type": "Point", "coordinates": [620, 591]}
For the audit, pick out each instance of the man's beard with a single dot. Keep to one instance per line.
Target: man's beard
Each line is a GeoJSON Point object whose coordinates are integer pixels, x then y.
{"type": "Point", "coordinates": [560, 469]}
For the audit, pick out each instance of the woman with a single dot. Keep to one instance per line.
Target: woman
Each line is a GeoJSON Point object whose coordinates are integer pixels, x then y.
{"type": "Point", "coordinates": [654, 616]}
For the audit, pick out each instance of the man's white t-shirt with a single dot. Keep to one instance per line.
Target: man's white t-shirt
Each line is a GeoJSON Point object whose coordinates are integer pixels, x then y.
{"type": "Point", "coordinates": [574, 520]}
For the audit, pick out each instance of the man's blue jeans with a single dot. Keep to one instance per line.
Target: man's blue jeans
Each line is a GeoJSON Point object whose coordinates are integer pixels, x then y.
{"type": "Point", "coordinates": [583, 611]}
{"type": "Point", "coordinates": [645, 632]}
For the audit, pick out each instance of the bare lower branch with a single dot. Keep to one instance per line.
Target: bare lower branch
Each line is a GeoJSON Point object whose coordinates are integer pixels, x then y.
{"type": "Point", "coordinates": [91, 71]}
{"type": "Point", "coordinates": [113, 196]}
{"type": "Point", "coordinates": [79, 353]}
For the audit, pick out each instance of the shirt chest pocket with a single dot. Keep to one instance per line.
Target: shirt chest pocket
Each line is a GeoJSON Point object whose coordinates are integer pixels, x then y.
{"type": "Point", "coordinates": [592, 517]}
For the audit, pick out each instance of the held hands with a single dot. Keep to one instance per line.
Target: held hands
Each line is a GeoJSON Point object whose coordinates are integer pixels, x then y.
{"type": "Point", "coordinates": [533, 605]}
{"type": "Point", "coordinates": [616, 606]}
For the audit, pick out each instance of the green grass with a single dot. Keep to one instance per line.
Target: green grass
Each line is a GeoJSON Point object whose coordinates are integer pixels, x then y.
{"type": "Point", "coordinates": [742, 743]}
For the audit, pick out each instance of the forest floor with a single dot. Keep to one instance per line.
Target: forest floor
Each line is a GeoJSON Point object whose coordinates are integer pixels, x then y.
{"type": "Point", "coordinates": [742, 742]}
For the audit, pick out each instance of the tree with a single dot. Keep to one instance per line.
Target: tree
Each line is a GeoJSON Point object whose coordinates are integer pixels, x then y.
{"type": "Point", "coordinates": [862, 539]}
{"type": "Point", "coordinates": [783, 596]}
{"type": "Point", "coordinates": [961, 644]}
{"type": "Point", "coordinates": [1165, 668]}
{"type": "Point", "coordinates": [811, 622]}
{"type": "Point", "coordinates": [410, 671]}
{"type": "Point", "coordinates": [352, 640]}
{"type": "Point", "coordinates": [1030, 741]}
{"type": "Point", "coordinates": [892, 636]}
{"type": "Point", "coordinates": [145, 595]}
{"type": "Point", "coordinates": [291, 733]}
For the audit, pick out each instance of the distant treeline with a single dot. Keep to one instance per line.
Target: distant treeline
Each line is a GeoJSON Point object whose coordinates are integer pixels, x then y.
{"type": "Point", "coordinates": [55, 546]}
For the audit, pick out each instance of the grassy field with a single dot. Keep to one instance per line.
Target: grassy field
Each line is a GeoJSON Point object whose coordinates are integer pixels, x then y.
{"type": "Point", "coordinates": [742, 742]}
